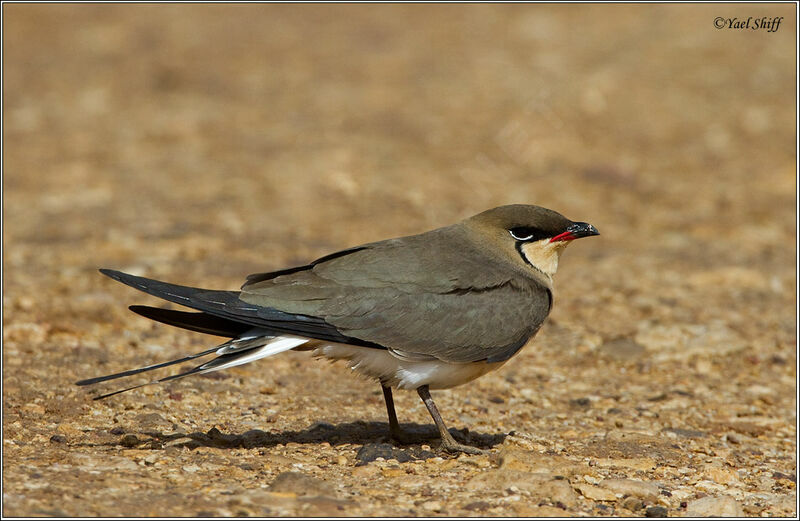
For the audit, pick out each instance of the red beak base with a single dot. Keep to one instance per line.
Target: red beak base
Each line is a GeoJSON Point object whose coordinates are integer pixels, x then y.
{"type": "Point", "coordinates": [566, 236]}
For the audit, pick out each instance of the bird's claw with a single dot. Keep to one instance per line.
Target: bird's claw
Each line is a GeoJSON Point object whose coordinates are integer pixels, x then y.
{"type": "Point", "coordinates": [454, 447]}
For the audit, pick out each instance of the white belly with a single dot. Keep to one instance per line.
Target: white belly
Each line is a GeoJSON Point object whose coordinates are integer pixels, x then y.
{"type": "Point", "coordinates": [405, 374]}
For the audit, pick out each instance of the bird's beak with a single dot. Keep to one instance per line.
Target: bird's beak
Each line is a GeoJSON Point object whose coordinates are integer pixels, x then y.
{"type": "Point", "coordinates": [576, 231]}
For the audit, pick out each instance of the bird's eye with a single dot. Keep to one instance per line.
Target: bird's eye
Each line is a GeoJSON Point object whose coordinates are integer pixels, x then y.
{"type": "Point", "coordinates": [527, 233]}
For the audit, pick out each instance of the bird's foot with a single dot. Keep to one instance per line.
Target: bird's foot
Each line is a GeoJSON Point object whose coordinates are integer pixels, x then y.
{"type": "Point", "coordinates": [449, 444]}
{"type": "Point", "coordinates": [453, 447]}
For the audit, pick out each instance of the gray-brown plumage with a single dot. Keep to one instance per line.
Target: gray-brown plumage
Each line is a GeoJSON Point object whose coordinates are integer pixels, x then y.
{"type": "Point", "coordinates": [433, 310]}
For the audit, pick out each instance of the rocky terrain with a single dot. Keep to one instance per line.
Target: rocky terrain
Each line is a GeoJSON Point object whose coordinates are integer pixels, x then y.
{"type": "Point", "coordinates": [200, 143]}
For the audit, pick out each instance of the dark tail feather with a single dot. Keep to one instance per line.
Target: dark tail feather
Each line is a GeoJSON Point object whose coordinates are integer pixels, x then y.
{"type": "Point", "coordinates": [123, 390]}
{"type": "Point", "coordinates": [228, 306]}
{"type": "Point", "coordinates": [199, 322]}
{"type": "Point", "coordinates": [223, 304]}
{"type": "Point", "coordinates": [244, 351]}
{"type": "Point", "coordinates": [154, 382]}
{"type": "Point", "coordinates": [130, 372]}
{"type": "Point", "coordinates": [201, 299]}
{"type": "Point", "coordinates": [194, 370]}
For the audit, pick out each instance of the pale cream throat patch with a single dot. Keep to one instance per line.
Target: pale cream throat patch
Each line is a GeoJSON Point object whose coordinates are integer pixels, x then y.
{"type": "Point", "coordinates": [544, 254]}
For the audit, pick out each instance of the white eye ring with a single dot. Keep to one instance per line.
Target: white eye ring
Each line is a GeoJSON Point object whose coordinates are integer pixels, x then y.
{"type": "Point", "coordinates": [526, 238]}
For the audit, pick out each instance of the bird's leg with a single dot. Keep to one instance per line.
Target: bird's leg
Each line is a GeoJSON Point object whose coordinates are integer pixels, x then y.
{"type": "Point", "coordinates": [394, 426]}
{"type": "Point", "coordinates": [396, 433]}
{"type": "Point", "coordinates": [448, 442]}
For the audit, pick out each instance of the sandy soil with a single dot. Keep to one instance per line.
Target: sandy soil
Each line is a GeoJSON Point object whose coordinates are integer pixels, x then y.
{"type": "Point", "coordinates": [198, 144]}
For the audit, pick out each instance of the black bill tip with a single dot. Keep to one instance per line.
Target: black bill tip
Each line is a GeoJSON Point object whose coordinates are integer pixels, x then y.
{"type": "Point", "coordinates": [576, 231]}
{"type": "Point", "coordinates": [579, 230]}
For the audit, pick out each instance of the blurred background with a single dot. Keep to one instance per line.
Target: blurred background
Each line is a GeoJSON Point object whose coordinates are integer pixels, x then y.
{"type": "Point", "coordinates": [200, 143]}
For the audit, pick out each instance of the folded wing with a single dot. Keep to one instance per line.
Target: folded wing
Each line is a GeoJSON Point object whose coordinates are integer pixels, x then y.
{"type": "Point", "coordinates": [426, 295]}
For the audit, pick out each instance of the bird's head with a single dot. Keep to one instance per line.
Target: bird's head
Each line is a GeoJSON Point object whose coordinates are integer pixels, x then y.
{"type": "Point", "coordinates": [529, 236]}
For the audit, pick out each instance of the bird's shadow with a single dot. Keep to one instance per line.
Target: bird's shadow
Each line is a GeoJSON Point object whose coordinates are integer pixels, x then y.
{"type": "Point", "coordinates": [355, 433]}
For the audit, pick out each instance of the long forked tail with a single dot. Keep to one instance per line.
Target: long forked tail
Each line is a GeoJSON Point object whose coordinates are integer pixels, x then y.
{"type": "Point", "coordinates": [256, 332]}
{"type": "Point", "coordinates": [253, 345]}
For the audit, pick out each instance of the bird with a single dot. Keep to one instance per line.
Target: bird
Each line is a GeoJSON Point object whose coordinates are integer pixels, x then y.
{"type": "Point", "coordinates": [420, 312]}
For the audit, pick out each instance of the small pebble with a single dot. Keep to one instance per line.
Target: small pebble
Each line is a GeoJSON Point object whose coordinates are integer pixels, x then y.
{"type": "Point", "coordinates": [151, 459]}
{"type": "Point", "coordinates": [655, 512]}
{"type": "Point", "coordinates": [478, 506]}
{"type": "Point", "coordinates": [581, 402]}
{"type": "Point", "coordinates": [432, 505]}
{"type": "Point", "coordinates": [711, 506]}
{"type": "Point", "coordinates": [632, 504]}
{"type": "Point", "coordinates": [129, 440]}
{"type": "Point", "coordinates": [373, 451]}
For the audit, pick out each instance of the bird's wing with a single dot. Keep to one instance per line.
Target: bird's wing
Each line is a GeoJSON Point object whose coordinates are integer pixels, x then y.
{"type": "Point", "coordinates": [489, 324]}
{"type": "Point", "coordinates": [227, 305]}
{"type": "Point", "coordinates": [429, 295]}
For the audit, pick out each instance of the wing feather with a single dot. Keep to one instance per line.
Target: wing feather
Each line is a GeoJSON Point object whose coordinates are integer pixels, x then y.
{"type": "Point", "coordinates": [429, 295]}
{"type": "Point", "coordinates": [418, 295]}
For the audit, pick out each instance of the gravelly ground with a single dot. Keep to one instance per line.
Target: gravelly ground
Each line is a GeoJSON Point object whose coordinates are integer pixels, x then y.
{"type": "Point", "coordinates": [201, 143]}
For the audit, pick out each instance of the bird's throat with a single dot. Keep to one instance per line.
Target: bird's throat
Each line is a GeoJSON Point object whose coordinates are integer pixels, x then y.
{"type": "Point", "coordinates": [543, 255]}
